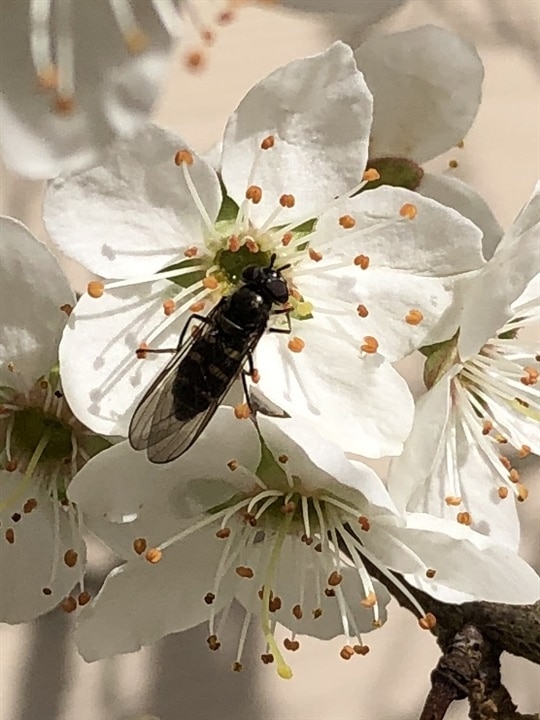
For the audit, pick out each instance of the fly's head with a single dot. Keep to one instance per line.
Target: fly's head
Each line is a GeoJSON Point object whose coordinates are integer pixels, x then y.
{"type": "Point", "coordinates": [268, 281]}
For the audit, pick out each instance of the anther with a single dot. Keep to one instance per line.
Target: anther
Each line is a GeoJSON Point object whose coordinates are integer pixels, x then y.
{"type": "Point", "coordinates": [254, 193]}
{"type": "Point", "coordinates": [237, 666]}
{"type": "Point", "coordinates": [136, 42]}
{"type": "Point", "coordinates": [169, 307]}
{"type": "Point", "coordinates": [67, 309]}
{"type": "Point", "coordinates": [84, 598]}
{"type": "Point", "coordinates": [377, 624]}
{"type": "Point", "coordinates": [71, 557]}
{"type": "Point", "coordinates": [141, 351]}
{"type": "Point", "coordinates": [210, 282]}
{"type": "Point", "coordinates": [362, 311]}
{"type": "Point", "coordinates": [370, 345]}
{"type": "Point", "coordinates": [362, 261]}
{"type": "Point", "coordinates": [502, 492]}
{"type": "Point", "coordinates": [430, 573]}
{"type": "Point", "coordinates": [334, 579]}
{"type": "Point", "coordinates": [314, 255]}
{"type": "Point", "coordinates": [428, 621]}
{"type": "Point", "coordinates": [286, 239]}
{"type": "Point", "coordinates": [283, 458]}
{"type": "Point", "coordinates": [329, 592]}
{"type": "Point", "coordinates": [233, 465]}
{"type": "Point", "coordinates": [16, 517]}
{"type": "Point", "coordinates": [292, 645]}
{"type": "Point", "coordinates": [268, 142]}
{"type": "Point", "coordinates": [452, 500]}
{"type": "Point", "coordinates": [223, 533]}
{"type": "Point", "coordinates": [287, 201]}
{"type": "Point", "coordinates": [514, 476]}
{"type": "Point", "coordinates": [347, 222]}
{"type": "Point", "coordinates": [95, 289]}
{"type": "Point", "coordinates": [346, 652]}
{"type": "Point", "coordinates": [153, 556]}
{"type": "Point", "coordinates": [501, 439]}
{"type": "Point", "coordinates": [408, 211]}
{"type": "Point", "coordinates": [197, 307]}
{"type": "Point", "coordinates": [370, 175]}
{"type": "Point", "coordinates": [414, 317]}
{"type": "Point", "coordinates": [139, 545]}
{"type": "Point", "coordinates": [369, 601]}
{"type": "Point", "coordinates": [461, 144]}
{"type": "Point", "coordinates": [274, 604]}
{"type": "Point", "coordinates": [209, 598]}
{"type": "Point", "coordinates": [464, 518]}
{"type": "Point", "coordinates": [191, 252]}
{"type": "Point", "coordinates": [288, 508]}
{"type": "Point", "coordinates": [249, 519]}
{"type": "Point", "coordinates": [296, 344]}
{"type": "Point", "coordinates": [233, 244]}
{"type": "Point", "coordinates": [68, 604]}
{"type": "Point", "coordinates": [297, 612]}
{"type": "Point", "coordinates": [267, 658]}
{"type": "Point", "coordinates": [306, 539]}
{"type": "Point", "coordinates": [317, 612]}
{"type": "Point", "coordinates": [212, 642]}
{"type": "Point", "coordinates": [242, 411]}
{"type": "Point", "coordinates": [64, 105]}
{"type": "Point", "coordinates": [183, 156]}
{"type": "Point", "coordinates": [244, 572]}
{"type": "Point", "coordinates": [487, 427]}
{"type": "Point", "coordinates": [48, 78]}
{"type": "Point", "coordinates": [46, 591]}
{"type": "Point", "coordinates": [524, 451]}
{"type": "Point", "coordinates": [29, 505]}
{"type": "Point", "coordinates": [11, 465]}
{"type": "Point", "coordinates": [453, 164]}
{"type": "Point", "coordinates": [364, 523]}
{"type": "Point", "coordinates": [523, 492]}
{"type": "Point", "coordinates": [255, 376]}
{"type": "Point", "coordinates": [252, 246]}
{"type": "Point", "coordinates": [361, 649]}
{"type": "Point", "coordinates": [505, 461]}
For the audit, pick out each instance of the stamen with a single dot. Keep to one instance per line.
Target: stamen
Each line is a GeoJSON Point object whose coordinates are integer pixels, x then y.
{"type": "Point", "coordinates": [65, 59]}
{"type": "Point", "coordinates": [254, 193]}
{"type": "Point", "coordinates": [427, 621]}
{"type": "Point", "coordinates": [453, 164]}
{"type": "Point", "coordinates": [27, 478]}
{"type": "Point", "coordinates": [40, 47]}
{"type": "Point", "coordinates": [370, 345]}
{"type": "Point", "coordinates": [371, 175]}
{"type": "Point", "coordinates": [362, 311]}
{"type": "Point", "coordinates": [362, 261]}
{"type": "Point", "coordinates": [268, 142]}
{"type": "Point", "coordinates": [347, 222]}
{"type": "Point", "coordinates": [296, 344]}
{"type": "Point", "coordinates": [409, 211]}
{"type": "Point", "coordinates": [414, 317]}
{"type": "Point", "coordinates": [95, 289]}
{"type": "Point", "coordinates": [197, 199]}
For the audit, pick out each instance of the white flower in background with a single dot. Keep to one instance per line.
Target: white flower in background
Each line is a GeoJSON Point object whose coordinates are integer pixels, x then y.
{"type": "Point", "coordinates": [76, 74]}
{"type": "Point", "coordinates": [482, 413]}
{"type": "Point", "coordinates": [284, 527]}
{"type": "Point", "coordinates": [365, 11]}
{"type": "Point", "coordinates": [42, 445]}
{"type": "Point", "coordinates": [427, 87]}
{"type": "Point", "coordinates": [367, 284]}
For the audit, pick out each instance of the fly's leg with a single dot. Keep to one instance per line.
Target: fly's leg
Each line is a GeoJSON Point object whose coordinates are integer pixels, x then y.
{"type": "Point", "coordinates": [191, 318]}
{"type": "Point", "coordinates": [142, 351]}
{"type": "Point", "coordinates": [284, 331]}
{"type": "Point", "coordinates": [253, 373]}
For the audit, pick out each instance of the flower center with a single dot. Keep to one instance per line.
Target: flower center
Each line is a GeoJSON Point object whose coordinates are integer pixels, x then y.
{"type": "Point", "coordinates": [30, 425]}
{"type": "Point", "coordinates": [233, 262]}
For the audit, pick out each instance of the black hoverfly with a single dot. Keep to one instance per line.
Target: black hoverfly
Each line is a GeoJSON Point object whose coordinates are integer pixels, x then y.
{"type": "Point", "coordinates": [181, 401]}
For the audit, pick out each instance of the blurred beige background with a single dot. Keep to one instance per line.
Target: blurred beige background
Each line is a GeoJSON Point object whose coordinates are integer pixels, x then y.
{"type": "Point", "coordinates": [42, 677]}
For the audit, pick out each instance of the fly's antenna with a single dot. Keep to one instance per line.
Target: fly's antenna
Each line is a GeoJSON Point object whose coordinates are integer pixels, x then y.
{"type": "Point", "coordinates": [283, 267]}
{"type": "Point", "coordinates": [272, 261]}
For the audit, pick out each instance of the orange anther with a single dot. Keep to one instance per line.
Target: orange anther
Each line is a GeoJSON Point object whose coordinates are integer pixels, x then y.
{"type": "Point", "coordinates": [244, 572]}
{"type": "Point", "coordinates": [298, 612]}
{"type": "Point", "coordinates": [464, 518]}
{"type": "Point", "coordinates": [370, 345]}
{"type": "Point", "coordinates": [364, 523]}
{"type": "Point", "coordinates": [452, 500]}
{"type": "Point", "coordinates": [139, 545]}
{"type": "Point", "coordinates": [210, 282]}
{"type": "Point", "coordinates": [362, 311]}
{"type": "Point", "coordinates": [362, 261]}
{"type": "Point", "coordinates": [369, 601]}
{"type": "Point", "coordinates": [283, 458]}
{"type": "Point", "coordinates": [169, 307]}
{"type": "Point", "coordinates": [64, 105]}
{"type": "Point", "coordinates": [347, 222]}
{"type": "Point", "coordinates": [207, 36]}
{"type": "Point", "coordinates": [95, 289]}
{"type": "Point", "coordinates": [234, 244]}
{"type": "Point", "coordinates": [524, 451]}
{"type": "Point", "coordinates": [296, 344]}
{"type": "Point", "coordinates": [71, 557]}
{"type": "Point", "coordinates": [29, 505]}
{"type": "Point", "coordinates": [430, 573]}
{"type": "Point", "coordinates": [233, 465]}
{"type": "Point", "coordinates": [223, 533]}
{"type": "Point", "coordinates": [84, 598]}
{"type": "Point", "coordinates": [334, 578]}
{"type": "Point", "coordinates": [254, 193]}
{"type": "Point", "coordinates": [414, 317]}
{"type": "Point", "coordinates": [268, 142]}
{"type": "Point", "coordinates": [286, 239]}
{"type": "Point", "coordinates": [11, 465]}
{"type": "Point", "coordinates": [453, 164]}
{"type": "Point", "coordinates": [287, 201]}
{"type": "Point", "coordinates": [194, 59]}
{"type": "Point", "coordinates": [502, 492]}
{"type": "Point", "coordinates": [505, 461]}
{"type": "Point", "coordinates": [242, 411]}
{"type": "Point", "coordinates": [153, 555]}
{"type": "Point", "coordinates": [370, 175]}
{"type": "Point", "coordinates": [191, 251]}
{"type": "Point", "coordinates": [427, 622]}
{"type": "Point", "coordinates": [48, 78]}
{"type": "Point", "coordinates": [10, 536]}
{"type": "Point", "coordinates": [291, 645]}
{"type": "Point", "coordinates": [183, 156]}
{"type": "Point", "coordinates": [346, 652]}
{"type": "Point", "coordinates": [408, 211]}
{"type": "Point", "coordinates": [513, 475]}
{"type": "Point", "coordinates": [267, 658]}
{"type": "Point", "coordinates": [314, 255]}
{"type": "Point", "coordinates": [252, 246]}
{"type": "Point", "coordinates": [523, 492]}
{"type": "Point", "coordinates": [67, 309]}
{"type": "Point", "coordinates": [68, 604]}
{"type": "Point", "coordinates": [361, 649]}
{"type": "Point", "coordinates": [197, 307]}
{"type": "Point", "coordinates": [136, 41]}
{"type": "Point", "coordinates": [487, 427]}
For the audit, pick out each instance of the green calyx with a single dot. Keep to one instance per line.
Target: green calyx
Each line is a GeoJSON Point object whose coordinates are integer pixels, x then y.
{"type": "Point", "coordinates": [395, 171]}
{"type": "Point", "coordinates": [31, 424]}
{"type": "Point", "coordinates": [440, 357]}
{"type": "Point", "coordinates": [232, 263]}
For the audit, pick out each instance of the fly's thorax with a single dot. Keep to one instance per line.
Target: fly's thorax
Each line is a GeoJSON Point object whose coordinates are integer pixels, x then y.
{"type": "Point", "coordinates": [246, 308]}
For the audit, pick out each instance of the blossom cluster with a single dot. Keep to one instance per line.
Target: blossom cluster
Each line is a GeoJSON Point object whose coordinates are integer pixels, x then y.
{"type": "Point", "coordinates": [317, 184]}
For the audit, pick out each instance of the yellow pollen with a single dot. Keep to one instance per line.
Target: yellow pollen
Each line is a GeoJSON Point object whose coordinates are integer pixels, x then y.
{"type": "Point", "coordinates": [84, 598]}
{"type": "Point", "coordinates": [296, 344]}
{"type": "Point", "coordinates": [223, 533]}
{"type": "Point", "coordinates": [414, 317]}
{"type": "Point", "coordinates": [141, 351]}
{"type": "Point", "coordinates": [314, 255]}
{"type": "Point", "coordinates": [139, 545]}
{"type": "Point", "coordinates": [334, 579]}
{"type": "Point", "coordinates": [244, 572]}
{"type": "Point", "coordinates": [292, 645]}
{"type": "Point", "coordinates": [427, 622]}
{"type": "Point", "coordinates": [297, 612]}
{"type": "Point", "coordinates": [362, 311]}
{"type": "Point", "coordinates": [464, 518]}
{"type": "Point", "coordinates": [48, 78]}
{"type": "Point", "coordinates": [347, 222]}
{"type": "Point", "coordinates": [370, 345]}
{"type": "Point", "coordinates": [523, 492]}
{"type": "Point", "coordinates": [233, 244]}
{"type": "Point", "coordinates": [242, 411]}
{"type": "Point", "coordinates": [233, 465]}
{"type": "Point", "coordinates": [364, 523]}
{"type": "Point", "coordinates": [68, 604]}
{"type": "Point", "coordinates": [430, 573]}
{"type": "Point", "coordinates": [191, 252]}
{"type": "Point", "coordinates": [524, 451]}
{"type": "Point", "coordinates": [67, 309]}
{"type": "Point", "coordinates": [210, 282]}
{"type": "Point", "coordinates": [95, 289]}
{"type": "Point", "coordinates": [252, 246]}
{"type": "Point", "coordinates": [453, 164]}
{"type": "Point", "coordinates": [452, 500]}
{"type": "Point", "coordinates": [513, 475]}
{"type": "Point", "coordinates": [254, 193]}
{"type": "Point", "coordinates": [503, 492]}
{"type": "Point", "coordinates": [194, 60]}
{"type": "Point", "coordinates": [197, 307]}
{"type": "Point", "coordinates": [370, 175]}
{"type": "Point", "coordinates": [136, 41]}
{"type": "Point", "coordinates": [369, 601]}
{"type": "Point", "coordinates": [287, 201]}
{"type": "Point", "coordinates": [70, 558]}
{"type": "Point", "coordinates": [267, 143]}
{"type": "Point", "coordinates": [487, 427]}
{"type": "Point", "coordinates": [408, 211]}
{"type": "Point", "coordinates": [64, 105]}
{"type": "Point", "coordinates": [286, 239]}
{"type": "Point", "coordinates": [169, 307]}
{"type": "Point", "coordinates": [361, 649]}
{"type": "Point", "coordinates": [283, 458]}
{"type": "Point", "coordinates": [362, 261]}
{"type": "Point", "coordinates": [346, 652]}
{"type": "Point", "coordinates": [153, 556]}
{"type": "Point", "coordinates": [183, 156]}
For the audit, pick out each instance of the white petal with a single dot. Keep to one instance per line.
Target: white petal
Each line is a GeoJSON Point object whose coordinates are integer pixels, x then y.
{"type": "Point", "coordinates": [102, 378]}
{"type": "Point", "coordinates": [32, 289]}
{"type": "Point", "coordinates": [366, 12]}
{"type": "Point", "coordinates": [427, 85]}
{"type": "Point", "coordinates": [133, 214]}
{"type": "Point", "coordinates": [358, 401]}
{"type": "Point", "coordinates": [468, 563]}
{"type": "Point", "coordinates": [321, 465]}
{"type": "Point", "coordinates": [457, 194]}
{"type": "Point", "coordinates": [141, 603]}
{"type": "Point", "coordinates": [26, 564]}
{"type": "Point", "coordinates": [124, 496]}
{"type": "Point", "coordinates": [319, 111]}
{"type": "Point", "coordinates": [114, 89]}
{"type": "Point", "coordinates": [438, 242]}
